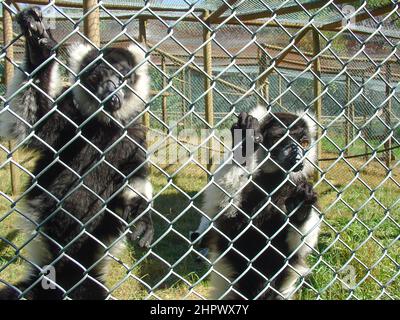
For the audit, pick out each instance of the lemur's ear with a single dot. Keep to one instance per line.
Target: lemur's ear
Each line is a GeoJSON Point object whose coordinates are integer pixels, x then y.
{"type": "Point", "coordinates": [77, 53]}
{"type": "Point", "coordinates": [259, 112]}
{"type": "Point", "coordinates": [266, 123]}
{"type": "Point", "coordinates": [311, 124]}
{"type": "Point", "coordinates": [138, 53]}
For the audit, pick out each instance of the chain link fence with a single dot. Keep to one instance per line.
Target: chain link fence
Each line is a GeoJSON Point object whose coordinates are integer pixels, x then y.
{"type": "Point", "coordinates": [210, 60]}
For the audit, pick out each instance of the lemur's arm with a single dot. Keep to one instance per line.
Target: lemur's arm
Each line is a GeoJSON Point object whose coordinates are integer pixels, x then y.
{"type": "Point", "coordinates": [142, 229]}
{"type": "Point", "coordinates": [39, 40]}
{"type": "Point", "coordinates": [233, 176]}
{"type": "Point", "coordinates": [300, 202]}
{"type": "Point", "coordinates": [26, 107]}
{"type": "Point", "coordinates": [133, 203]}
{"type": "Point", "coordinates": [246, 138]}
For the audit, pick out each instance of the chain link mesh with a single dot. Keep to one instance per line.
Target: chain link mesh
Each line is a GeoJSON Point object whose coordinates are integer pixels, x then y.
{"type": "Point", "coordinates": [263, 51]}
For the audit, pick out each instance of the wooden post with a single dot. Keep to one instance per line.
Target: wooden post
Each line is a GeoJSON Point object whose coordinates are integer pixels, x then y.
{"type": "Point", "coordinates": [7, 38]}
{"type": "Point", "coordinates": [266, 89]}
{"type": "Point", "coordinates": [317, 95]}
{"type": "Point", "coordinates": [8, 76]}
{"type": "Point", "coordinates": [209, 102]}
{"type": "Point", "coordinates": [280, 90]}
{"type": "Point", "coordinates": [142, 30]}
{"type": "Point", "coordinates": [164, 96]}
{"type": "Point", "coordinates": [195, 69]}
{"type": "Point", "coordinates": [388, 117]}
{"type": "Point", "coordinates": [353, 119]}
{"type": "Point", "coordinates": [183, 86]}
{"type": "Point", "coordinates": [259, 72]}
{"type": "Point", "coordinates": [190, 94]}
{"type": "Point", "coordinates": [91, 23]}
{"type": "Point", "coordinates": [16, 5]}
{"type": "Point", "coordinates": [143, 39]}
{"type": "Point", "coordinates": [263, 82]}
{"type": "Point", "coordinates": [348, 127]}
{"type": "Point", "coordinates": [366, 137]}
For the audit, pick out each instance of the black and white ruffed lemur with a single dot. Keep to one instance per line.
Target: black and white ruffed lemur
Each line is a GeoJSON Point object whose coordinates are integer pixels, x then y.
{"type": "Point", "coordinates": [90, 185]}
{"type": "Point", "coordinates": [262, 208]}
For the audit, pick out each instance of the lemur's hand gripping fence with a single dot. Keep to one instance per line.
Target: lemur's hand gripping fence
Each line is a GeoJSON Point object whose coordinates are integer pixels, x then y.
{"type": "Point", "coordinates": [335, 62]}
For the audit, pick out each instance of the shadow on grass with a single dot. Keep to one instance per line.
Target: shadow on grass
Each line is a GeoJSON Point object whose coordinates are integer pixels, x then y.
{"type": "Point", "coordinates": [171, 249]}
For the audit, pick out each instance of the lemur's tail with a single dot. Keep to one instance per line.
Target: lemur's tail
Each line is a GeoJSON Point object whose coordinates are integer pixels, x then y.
{"type": "Point", "coordinates": [14, 292]}
{"type": "Point", "coordinates": [70, 283]}
{"type": "Point", "coordinates": [8, 294]}
{"type": "Point", "coordinates": [31, 289]}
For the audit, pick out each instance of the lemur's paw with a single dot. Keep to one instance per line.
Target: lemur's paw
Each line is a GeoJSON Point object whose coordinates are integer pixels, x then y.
{"type": "Point", "coordinates": [40, 43]}
{"type": "Point", "coordinates": [248, 122]}
{"type": "Point", "coordinates": [193, 235]}
{"type": "Point", "coordinates": [301, 198]}
{"type": "Point", "coordinates": [307, 193]}
{"type": "Point", "coordinates": [35, 28]}
{"type": "Point", "coordinates": [143, 231]}
{"type": "Point", "coordinates": [31, 22]}
{"type": "Point", "coordinates": [303, 193]}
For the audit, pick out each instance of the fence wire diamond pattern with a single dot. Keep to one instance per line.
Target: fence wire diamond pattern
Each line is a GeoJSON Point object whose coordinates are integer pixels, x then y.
{"type": "Point", "coordinates": [333, 61]}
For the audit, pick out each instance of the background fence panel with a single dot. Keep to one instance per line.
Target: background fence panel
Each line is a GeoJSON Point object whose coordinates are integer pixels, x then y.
{"type": "Point", "coordinates": [209, 61]}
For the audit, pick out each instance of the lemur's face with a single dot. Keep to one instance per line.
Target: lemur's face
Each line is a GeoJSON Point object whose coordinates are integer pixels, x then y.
{"type": "Point", "coordinates": [109, 79]}
{"type": "Point", "coordinates": [287, 140]}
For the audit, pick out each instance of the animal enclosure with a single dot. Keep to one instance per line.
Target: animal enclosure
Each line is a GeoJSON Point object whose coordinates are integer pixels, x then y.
{"type": "Point", "coordinates": [336, 61]}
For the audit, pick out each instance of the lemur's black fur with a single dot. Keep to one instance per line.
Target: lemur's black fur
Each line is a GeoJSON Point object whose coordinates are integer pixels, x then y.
{"type": "Point", "coordinates": [266, 226]}
{"type": "Point", "coordinates": [78, 198]}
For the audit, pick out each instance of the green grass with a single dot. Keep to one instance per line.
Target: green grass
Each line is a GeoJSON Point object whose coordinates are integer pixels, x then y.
{"type": "Point", "coordinates": [360, 230]}
{"type": "Point", "coordinates": [336, 143]}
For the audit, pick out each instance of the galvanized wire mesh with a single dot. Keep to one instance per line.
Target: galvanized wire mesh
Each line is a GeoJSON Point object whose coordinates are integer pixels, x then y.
{"type": "Point", "coordinates": [358, 252]}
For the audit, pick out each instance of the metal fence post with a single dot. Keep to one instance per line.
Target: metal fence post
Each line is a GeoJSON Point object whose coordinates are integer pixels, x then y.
{"type": "Point", "coordinates": [218, 52]}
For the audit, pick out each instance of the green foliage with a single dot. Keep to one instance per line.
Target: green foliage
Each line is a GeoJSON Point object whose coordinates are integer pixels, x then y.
{"type": "Point", "coordinates": [373, 4]}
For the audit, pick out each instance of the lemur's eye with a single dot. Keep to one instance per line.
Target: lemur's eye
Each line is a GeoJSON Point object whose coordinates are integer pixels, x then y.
{"type": "Point", "coordinates": [305, 143]}
{"type": "Point", "coordinates": [92, 78]}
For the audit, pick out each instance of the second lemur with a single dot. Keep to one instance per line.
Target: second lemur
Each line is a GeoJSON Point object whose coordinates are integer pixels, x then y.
{"type": "Point", "coordinates": [262, 208]}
